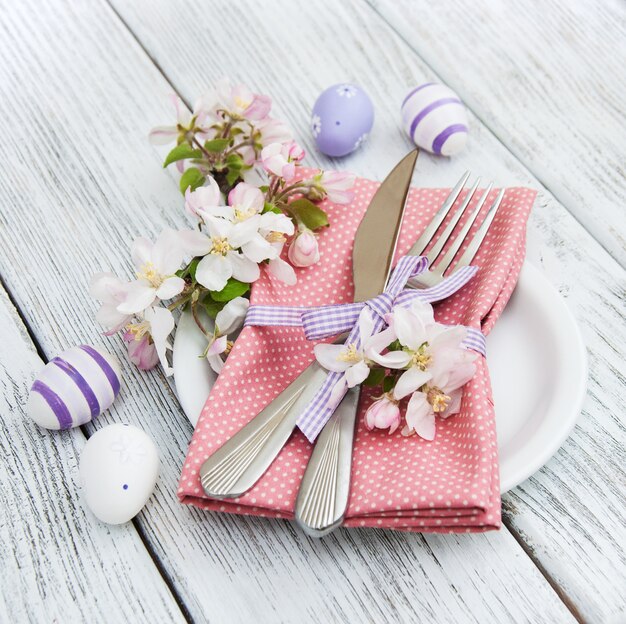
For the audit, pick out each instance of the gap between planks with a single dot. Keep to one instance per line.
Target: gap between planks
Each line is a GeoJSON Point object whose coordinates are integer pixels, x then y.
{"type": "Point", "coordinates": [85, 431]}
{"type": "Point", "coordinates": [505, 522]}
{"type": "Point", "coordinates": [564, 201]}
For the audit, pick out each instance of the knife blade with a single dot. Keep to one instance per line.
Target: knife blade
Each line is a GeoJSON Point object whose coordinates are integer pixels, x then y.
{"type": "Point", "coordinates": [241, 461]}
{"type": "Point", "coordinates": [323, 496]}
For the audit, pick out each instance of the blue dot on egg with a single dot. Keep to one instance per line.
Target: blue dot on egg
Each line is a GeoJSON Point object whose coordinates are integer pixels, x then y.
{"type": "Point", "coordinates": [125, 486]}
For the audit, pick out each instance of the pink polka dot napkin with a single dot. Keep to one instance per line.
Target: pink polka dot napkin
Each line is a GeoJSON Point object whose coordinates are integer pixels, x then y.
{"type": "Point", "coordinates": [449, 484]}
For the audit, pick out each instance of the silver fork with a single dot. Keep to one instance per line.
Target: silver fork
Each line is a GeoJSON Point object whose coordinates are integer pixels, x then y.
{"type": "Point", "coordinates": [324, 491]}
{"type": "Point", "coordinates": [437, 267]}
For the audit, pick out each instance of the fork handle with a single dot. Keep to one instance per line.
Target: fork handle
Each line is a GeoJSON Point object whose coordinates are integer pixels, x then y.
{"type": "Point", "coordinates": [243, 459]}
{"type": "Point", "coordinates": [325, 488]}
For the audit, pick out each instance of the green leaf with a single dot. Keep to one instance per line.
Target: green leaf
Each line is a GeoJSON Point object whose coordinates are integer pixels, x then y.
{"type": "Point", "coordinates": [234, 288]}
{"type": "Point", "coordinates": [396, 345]}
{"type": "Point", "coordinates": [181, 152]}
{"type": "Point", "coordinates": [191, 178]}
{"type": "Point", "coordinates": [388, 383]}
{"type": "Point", "coordinates": [212, 307]}
{"type": "Point", "coordinates": [308, 213]}
{"type": "Point", "coordinates": [234, 161]}
{"type": "Point", "coordinates": [216, 145]}
{"type": "Point", "coordinates": [375, 378]}
{"type": "Point", "coordinates": [271, 208]}
{"type": "Point", "coordinates": [193, 265]}
{"type": "Point", "coordinates": [232, 175]}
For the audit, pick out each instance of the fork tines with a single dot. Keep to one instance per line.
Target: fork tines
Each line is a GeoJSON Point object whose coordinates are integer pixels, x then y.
{"type": "Point", "coordinates": [438, 266]}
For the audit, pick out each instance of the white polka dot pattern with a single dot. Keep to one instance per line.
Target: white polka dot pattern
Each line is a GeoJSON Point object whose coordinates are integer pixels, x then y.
{"type": "Point", "coordinates": [449, 484]}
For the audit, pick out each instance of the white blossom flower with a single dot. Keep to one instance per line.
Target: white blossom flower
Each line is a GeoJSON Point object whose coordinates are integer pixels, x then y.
{"type": "Point", "coordinates": [351, 359]}
{"type": "Point", "coordinates": [222, 250]}
{"type": "Point", "coordinates": [228, 319]}
{"type": "Point", "coordinates": [239, 100]}
{"type": "Point", "coordinates": [187, 124]}
{"type": "Point", "coordinates": [156, 265]}
{"type": "Point", "coordinates": [441, 395]}
{"type": "Point", "coordinates": [424, 343]}
{"type": "Point", "coordinates": [280, 269]}
{"type": "Point", "coordinates": [280, 159]}
{"type": "Point", "coordinates": [205, 200]}
{"type": "Point", "coordinates": [111, 291]}
{"type": "Point", "coordinates": [337, 185]}
{"type": "Point", "coordinates": [273, 228]}
{"type": "Point", "coordinates": [244, 201]}
{"type": "Point", "coordinates": [151, 333]}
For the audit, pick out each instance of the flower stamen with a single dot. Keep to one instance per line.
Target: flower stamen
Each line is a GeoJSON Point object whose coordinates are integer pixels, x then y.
{"type": "Point", "coordinates": [241, 102]}
{"type": "Point", "coordinates": [150, 274]}
{"type": "Point", "coordinates": [420, 358]}
{"type": "Point", "coordinates": [221, 246]}
{"type": "Point", "coordinates": [242, 214]}
{"type": "Point", "coordinates": [350, 354]}
{"type": "Point", "coordinates": [276, 237]}
{"type": "Point", "coordinates": [139, 330]}
{"type": "Point", "coordinates": [438, 399]}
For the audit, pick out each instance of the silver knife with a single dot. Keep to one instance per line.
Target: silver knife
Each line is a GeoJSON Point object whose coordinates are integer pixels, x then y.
{"type": "Point", "coordinates": [241, 461]}
{"type": "Point", "coordinates": [324, 491]}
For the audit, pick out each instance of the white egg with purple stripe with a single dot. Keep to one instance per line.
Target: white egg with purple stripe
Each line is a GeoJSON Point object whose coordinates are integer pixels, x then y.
{"type": "Point", "coordinates": [118, 469]}
{"type": "Point", "coordinates": [74, 388]}
{"type": "Point", "coordinates": [435, 119]}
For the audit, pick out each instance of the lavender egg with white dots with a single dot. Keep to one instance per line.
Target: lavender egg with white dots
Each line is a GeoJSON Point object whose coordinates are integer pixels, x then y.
{"type": "Point", "coordinates": [342, 118]}
{"type": "Point", "coordinates": [73, 388]}
{"type": "Point", "coordinates": [118, 469]}
{"type": "Point", "coordinates": [435, 119]}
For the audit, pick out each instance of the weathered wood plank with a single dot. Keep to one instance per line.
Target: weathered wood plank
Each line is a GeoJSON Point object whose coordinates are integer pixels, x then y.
{"type": "Point", "coordinates": [558, 516]}
{"type": "Point", "coordinates": [56, 562]}
{"type": "Point", "coordinates": [547, 78]}
{"type": "Point", "coordinates": [78, 96]}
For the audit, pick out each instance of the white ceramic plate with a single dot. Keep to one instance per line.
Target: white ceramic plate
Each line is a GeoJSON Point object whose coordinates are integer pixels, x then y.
{"type": "Point", "coordinates": [538, 370]}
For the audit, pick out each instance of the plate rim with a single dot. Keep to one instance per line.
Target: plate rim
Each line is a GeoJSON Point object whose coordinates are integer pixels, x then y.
{"type": "Point", "coordinates": [532, 277]}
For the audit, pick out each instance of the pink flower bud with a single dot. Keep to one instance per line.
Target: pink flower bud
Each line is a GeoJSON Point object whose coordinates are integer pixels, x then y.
{"type": "Point", "coordinates": [338, 185]}
{"type": "Point", "coordinates": [142, 353]}
{"type": "Point", "coordinates": [295, 152]}
{"type": "Point", "coordinates": [383, 414]}
{"type": "Point", "coordinates": [275, 159]}
{"type": "Point", "coordinates": [304, 250]}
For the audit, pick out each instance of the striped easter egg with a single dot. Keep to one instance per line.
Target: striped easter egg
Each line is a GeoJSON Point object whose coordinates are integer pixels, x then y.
{"type": "Point", "coordinates": [435, 119]}
{"type": "Point", "coordinates": [73, 388]}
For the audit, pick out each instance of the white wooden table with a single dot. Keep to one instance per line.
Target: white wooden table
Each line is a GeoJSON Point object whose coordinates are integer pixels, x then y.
{"type": "Point", "coordinates": [82, 82]}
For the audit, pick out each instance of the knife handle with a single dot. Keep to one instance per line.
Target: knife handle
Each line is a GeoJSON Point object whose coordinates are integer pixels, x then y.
{"type": "Point", "coordinates": [241, 461]}
{"type": "Point", "coordinates": [323, 495]}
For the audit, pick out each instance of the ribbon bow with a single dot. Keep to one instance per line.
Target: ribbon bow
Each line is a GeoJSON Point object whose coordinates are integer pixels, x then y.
{"type": "Point", "coordinates": [324, 321]}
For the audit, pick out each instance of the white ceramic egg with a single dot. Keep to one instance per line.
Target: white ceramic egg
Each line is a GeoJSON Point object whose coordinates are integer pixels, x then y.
{"type": "Point", "coordinates": [73, 388]}
{"type": "Point", "coordinates": [119, 467]}
{"type": "Point", "coordinates": [435, 119]}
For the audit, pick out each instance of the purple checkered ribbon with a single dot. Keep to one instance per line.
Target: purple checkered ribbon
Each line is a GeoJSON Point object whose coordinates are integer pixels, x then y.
{"type": "Point", "coordinates": [324, 321]}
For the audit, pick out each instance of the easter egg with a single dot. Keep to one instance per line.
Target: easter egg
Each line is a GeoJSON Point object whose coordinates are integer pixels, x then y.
{"type": "Point", "coordinates": [118, 468]}
{"type": "Point", "coordinates": [435, 119]}
{"type": "Point", "coordinates": [343, 116]}
{"type": "Point", "coordinates": [73, 388]}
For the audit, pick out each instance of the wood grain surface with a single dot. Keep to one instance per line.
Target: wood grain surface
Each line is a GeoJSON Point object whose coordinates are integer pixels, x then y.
{"type": "Point", "coordinates": [57, 563]}
{"type": "Point", "coordinates": [80, 86]}
{"type": "Point", "coordinates": [548, 80]}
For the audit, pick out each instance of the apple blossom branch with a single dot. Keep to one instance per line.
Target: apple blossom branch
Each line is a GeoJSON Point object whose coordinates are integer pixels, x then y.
{"type": "Point", "coordinates": [227, 142]}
